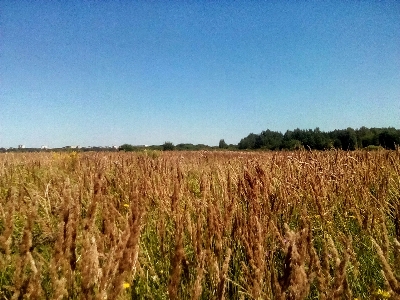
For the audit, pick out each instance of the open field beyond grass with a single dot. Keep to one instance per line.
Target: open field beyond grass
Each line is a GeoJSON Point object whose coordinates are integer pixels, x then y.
{"type": "Point", "coordinates": [200, 225]}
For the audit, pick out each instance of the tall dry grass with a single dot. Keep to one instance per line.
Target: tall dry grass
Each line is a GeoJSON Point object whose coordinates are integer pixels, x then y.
{"type": "Point", "coordinates": [200, 225]}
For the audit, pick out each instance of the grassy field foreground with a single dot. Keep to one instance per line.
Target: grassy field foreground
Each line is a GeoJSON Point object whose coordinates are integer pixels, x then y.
{"type": "Point", "coordinates": [200, 225]}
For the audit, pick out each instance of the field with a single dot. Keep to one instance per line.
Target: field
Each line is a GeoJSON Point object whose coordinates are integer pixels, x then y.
{"type": "Point", "coordinates": [200, 225]}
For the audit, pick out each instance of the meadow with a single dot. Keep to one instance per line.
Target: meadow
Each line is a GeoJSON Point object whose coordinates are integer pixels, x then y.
{"type": "Point", "coordinates": [200, 225]}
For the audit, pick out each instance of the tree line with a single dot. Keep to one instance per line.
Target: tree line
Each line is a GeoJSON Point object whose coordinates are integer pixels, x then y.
{"type": "Point", "coordinates": [345, 139]}
{"type": "Point", "coordinates": [313, 139]}
{"type": "Point", "coordinates": [167, 146]}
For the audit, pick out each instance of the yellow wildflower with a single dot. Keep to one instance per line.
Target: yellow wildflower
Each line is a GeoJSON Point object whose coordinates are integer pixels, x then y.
{"type": "Point", "coordinates": [126, 285]}
{"type": "Point", "coordinates": [126, 205]}
{"type": "Point", "coordinates": [383, 294]}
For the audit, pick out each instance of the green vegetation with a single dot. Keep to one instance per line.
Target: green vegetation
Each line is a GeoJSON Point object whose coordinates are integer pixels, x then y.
{"type": "Point", "coordinates": [222, 144]}
{"type": "Point", "coordinates": [168, 146]}
{"type": "Point", "coordinates": [347, 139]}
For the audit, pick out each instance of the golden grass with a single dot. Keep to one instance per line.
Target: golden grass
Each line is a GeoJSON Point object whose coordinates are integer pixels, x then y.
{"type": "Point", "coordinates": [200, 225]}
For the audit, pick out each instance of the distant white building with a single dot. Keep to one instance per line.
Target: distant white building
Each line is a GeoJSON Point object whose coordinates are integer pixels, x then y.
{"type": "Point", "coordinates": [21, 146]}
{"type": "Point", "coordinates": [44, 147]}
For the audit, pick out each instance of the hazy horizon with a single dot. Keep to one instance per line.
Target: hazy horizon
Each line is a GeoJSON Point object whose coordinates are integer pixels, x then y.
{"type": "Point", "coordinates": [114, 72]}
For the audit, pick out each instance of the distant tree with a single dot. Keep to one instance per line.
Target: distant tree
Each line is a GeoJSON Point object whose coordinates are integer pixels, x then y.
{"type": "Point", "coordinates": [286, 141]}
{"type": "Point", "coordinates": [270, 140]}
{"type": "Point", "coordinates": [300, 135]}
{"type": "Point", "coordinates": [365, 137]}
{"type": "Point", "coordinates": [126, 147]}
{"type": "Point", "coordinates": [222, 144]}
{"type": "Point", "coordinates": [202, 147]}
{"type": "Point", "coordinates": [337, 144]}
{"type": "Point", "coordinates": [155, 147]}
{"type": "Point", "coordinates": [345, 139]}
{"type": "Point", "coordinates": [389, 138]}
{"type": "Point", "coordinates": [232, 147]}
{"type": "Point", "coordinates": [248, 142]}
{"type": "Point", "coordinates": [292, 145]}
{"type": "Point", "coordinates": [168, 146]}
{"type": "Point", "coordinates": [191, 147]}
{"type": "Point", "coordinates": [351, 139]}
{"type": "Point", "coordinates": [321, 140]}
{"type": "Point", "coordinates": [184, 147]}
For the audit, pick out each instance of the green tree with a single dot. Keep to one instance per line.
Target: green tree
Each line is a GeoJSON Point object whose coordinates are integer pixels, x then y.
{"type": "Point", "coordinates": [346, 138]}
{"type": "Point", "coordinates": [184, 147]}
{"type": "Point", "coordinates": [389, 138]}
{"type": "Point", "coordinates": [248, 142]}
{"type": "Point", "coordinates": [126, 147]}
{"type": "Point", "coordinates": [365, 137]}
{"type": "Point", "coordinates": [268, 139]}
{"type": "Point", "coordinates": [168, 146]}
{"type": "Point", "coordinates": [321, 140]}
{"type": "Point", "coordinates": [222, 144]}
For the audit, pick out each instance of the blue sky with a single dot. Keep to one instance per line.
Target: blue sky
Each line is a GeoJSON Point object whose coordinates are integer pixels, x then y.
{"type": "Point", "coordinates": [145, 72]}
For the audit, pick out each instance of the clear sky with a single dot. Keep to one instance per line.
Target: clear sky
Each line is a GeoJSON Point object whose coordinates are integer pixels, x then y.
{"type": "Point", "coordinates": [145, 72]}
